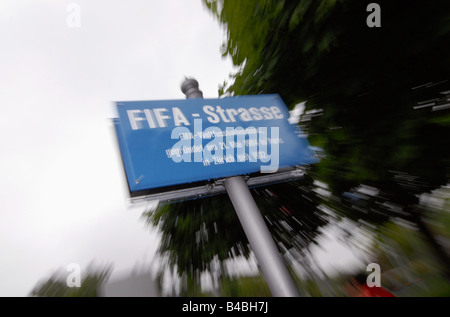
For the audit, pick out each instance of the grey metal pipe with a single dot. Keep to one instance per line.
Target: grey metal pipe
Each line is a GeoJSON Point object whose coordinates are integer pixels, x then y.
{"type": "Point", "coordinates": [269, 259]}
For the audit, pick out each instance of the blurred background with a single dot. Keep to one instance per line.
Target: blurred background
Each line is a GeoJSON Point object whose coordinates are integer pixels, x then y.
{"type": "Point", "coordinates": [373, 101]}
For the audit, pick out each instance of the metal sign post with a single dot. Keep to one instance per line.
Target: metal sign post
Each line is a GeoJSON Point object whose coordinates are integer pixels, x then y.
{"type": "Point", "coordinates": [269, 259]}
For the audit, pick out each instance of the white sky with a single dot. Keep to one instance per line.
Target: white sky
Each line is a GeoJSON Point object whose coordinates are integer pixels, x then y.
{"type": "Point", "coordinates": [63, 198]}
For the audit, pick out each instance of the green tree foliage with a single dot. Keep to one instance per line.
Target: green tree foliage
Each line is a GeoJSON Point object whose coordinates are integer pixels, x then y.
{"type": "Point", "coordinates": [377, 98]}
{"type": "Point", "coordinates": [199, 235]}
{"type": "Point", "coordinates": [56, 284]}
{"type": "Point", "coordinates": [253, 286]}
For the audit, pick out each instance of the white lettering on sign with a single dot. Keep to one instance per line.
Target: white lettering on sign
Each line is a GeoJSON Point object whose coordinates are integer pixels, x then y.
{"type": "Point", "coordinates": [160, 118]}
{"type": "Point", "coordinates": [163, 117]}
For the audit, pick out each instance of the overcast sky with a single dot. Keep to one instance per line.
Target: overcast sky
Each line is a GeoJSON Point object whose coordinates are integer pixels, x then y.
{"type": "Point", "coordinates": [63, 198]}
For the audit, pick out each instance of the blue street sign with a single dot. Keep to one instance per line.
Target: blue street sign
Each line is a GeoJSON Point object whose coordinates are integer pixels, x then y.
{"type": "Point", "coordinates": [169, 143]}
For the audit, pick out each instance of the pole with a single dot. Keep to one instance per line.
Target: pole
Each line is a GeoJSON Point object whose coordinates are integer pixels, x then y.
{"type": "Point", "coordinates": [269, 259]}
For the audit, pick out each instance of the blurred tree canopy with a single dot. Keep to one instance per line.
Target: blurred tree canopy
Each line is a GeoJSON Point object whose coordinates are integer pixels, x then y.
{"type": "Point", "coordinates": [377, 98]}
{"type": "Point", "coordinates": [200, 235]}
{"type": "Point", "coordinates": [360, 78]}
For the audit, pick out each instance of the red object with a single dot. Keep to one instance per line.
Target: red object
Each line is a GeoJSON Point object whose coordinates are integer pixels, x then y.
{"type": "Point", "coordinates": [366, 291]}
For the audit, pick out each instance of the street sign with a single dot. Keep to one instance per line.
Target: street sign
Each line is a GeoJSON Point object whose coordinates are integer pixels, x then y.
{"type": "Point", "coordinates": [172, 148]}
{"type": "Point", "coordinates": [171, 145]}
